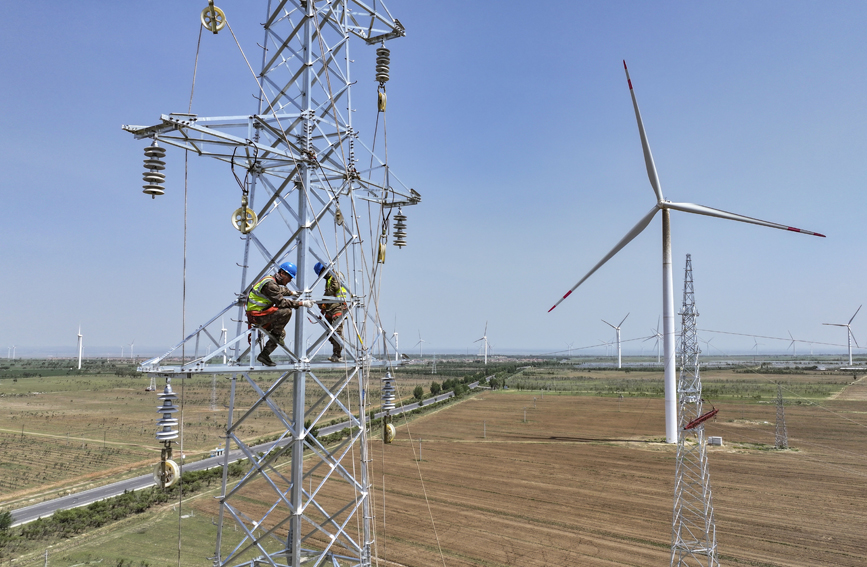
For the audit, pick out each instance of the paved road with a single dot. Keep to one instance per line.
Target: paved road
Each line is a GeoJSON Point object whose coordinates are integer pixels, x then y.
{"type": "Point", "coordinates": [47, 508]}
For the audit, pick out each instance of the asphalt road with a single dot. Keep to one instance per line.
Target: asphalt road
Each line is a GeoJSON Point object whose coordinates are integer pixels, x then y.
{"type": "Point", "coordinates": [48, 507]}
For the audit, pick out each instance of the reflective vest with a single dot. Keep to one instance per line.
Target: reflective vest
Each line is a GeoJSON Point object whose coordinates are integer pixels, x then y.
{"type": "Point", "coordinates": [255, 300]}
{"type": "Point", "coordinates": [342, 294]}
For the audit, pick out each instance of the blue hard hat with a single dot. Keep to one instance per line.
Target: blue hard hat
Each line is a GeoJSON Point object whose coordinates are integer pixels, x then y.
{"type": "Point", "coordinates": [318, 268]}
{"type": "Point", "coordinates": [289, 268]}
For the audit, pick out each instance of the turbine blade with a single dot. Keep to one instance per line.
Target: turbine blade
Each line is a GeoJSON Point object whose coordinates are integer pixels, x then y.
{"type": "Point", "coordinates": [636, 230]}
{"type": "Point", "coordinates": [702, 210]}
{"type": "Point", "coordinates": [850, 320]}
{"type": "Point", "coordinates": [854, 339]}
{"type": "Point", "coordinates": [835, 324]}
{"type": "Point", "coordinates": [645, 146]}
{"type": "Point", "coordinates": [607, 323]}
{"type": "Point", "coordinates": [624, 319]}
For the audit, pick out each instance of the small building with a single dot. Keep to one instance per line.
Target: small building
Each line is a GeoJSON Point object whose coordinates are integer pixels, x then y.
{"type": "Point", "coordinates": [218, 452]}
{"type": "Point", "coordinates": [717, 441]}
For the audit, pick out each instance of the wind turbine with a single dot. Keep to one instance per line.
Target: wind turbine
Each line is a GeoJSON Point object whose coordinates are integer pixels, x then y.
{"type": "Point", "coordinates": [607, 344]}
{"type": "Point", "coordinates": [131, 346]}
{"type": "Point", "coordinates": [656, 336]}
{"type": "Point", "coordinates": [485, 338]}
{"type": "Point", "coordinates": [849, 336]}
{"type": "Point", "coordinates": [667, 278]}
{"type": "Point", "coordinates": [420, 345]}
{"type": "Point", "coordinates": [617, 328]}
{"type": "Point", "coordinates": [756, 349]}
{"type": "Point", "coordinates": [792, 344]}
{"type": "Point", "coordinates": [79, 347]}
{"type": "Point", "coordinates": [569, 347]}
{"type": "Point", "coordinates": [396, 348]}
{"type": "Point", "coordinates": [224, 337]}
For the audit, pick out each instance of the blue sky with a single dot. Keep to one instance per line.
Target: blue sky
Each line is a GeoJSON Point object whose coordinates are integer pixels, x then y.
{"type": "Point", "coordinates": [514, 122]}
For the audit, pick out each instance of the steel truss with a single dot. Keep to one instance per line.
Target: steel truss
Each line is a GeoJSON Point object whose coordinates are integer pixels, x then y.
{"type": "Point", "coordinates": [312, 191]}
{"type": "Point", "coordinates": [693, 530]}
{"type": "Point", "coordinates": [781, 436]}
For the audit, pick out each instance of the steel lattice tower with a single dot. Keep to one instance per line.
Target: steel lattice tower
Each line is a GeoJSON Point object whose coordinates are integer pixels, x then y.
{"type": "Point", "coordinates": [781, 440]}
{"type": "Point", "coordinates": [693, 531]}
{"type": "Point", "coordinates": [319, 194]}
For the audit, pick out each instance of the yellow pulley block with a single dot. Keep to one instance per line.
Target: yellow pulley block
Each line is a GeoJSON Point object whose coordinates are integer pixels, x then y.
{"type": "Point", "coordinates": [167, 473]}
{"type": "Point", "coordinates": [244, 219]}
{"type": "Point", "coordinates": [380, 103]}
{"type": "Point", "coordinates": [388, 433]}
{"type": "Point", "coordinates": [213, 18]}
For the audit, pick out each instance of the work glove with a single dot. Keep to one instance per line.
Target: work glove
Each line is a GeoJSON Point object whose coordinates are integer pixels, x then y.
{"type": "Point", "coordinates": [308, 303]}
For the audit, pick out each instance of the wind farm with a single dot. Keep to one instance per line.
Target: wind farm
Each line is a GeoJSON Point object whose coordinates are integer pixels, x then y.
{"type": "Point", "coordinates": [243, 400]}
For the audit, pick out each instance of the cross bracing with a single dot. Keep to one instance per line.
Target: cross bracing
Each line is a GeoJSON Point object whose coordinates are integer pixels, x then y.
{"type": "Point", "coordinates": [319, 194]}
{"type": "Point", "coordinates": [693, 530]}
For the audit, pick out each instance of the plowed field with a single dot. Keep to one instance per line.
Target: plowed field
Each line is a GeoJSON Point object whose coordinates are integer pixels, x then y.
{"type": "Point", "coordinates": [585, 481]}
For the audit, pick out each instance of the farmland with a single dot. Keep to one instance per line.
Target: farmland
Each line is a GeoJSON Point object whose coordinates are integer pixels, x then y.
{"type": "Point", "coordinates": [584, 480]}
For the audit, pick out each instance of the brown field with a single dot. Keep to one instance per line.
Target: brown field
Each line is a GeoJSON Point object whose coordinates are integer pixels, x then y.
{"type": "Point", "coordinates": [583, 482]}
{"type": "Point", "coordinates": [61, 433]}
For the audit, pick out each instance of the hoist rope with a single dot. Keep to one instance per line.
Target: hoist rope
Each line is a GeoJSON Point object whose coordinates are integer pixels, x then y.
{"type": "Point", "coordinates": [421, 479]}
{"type": "Point", "coordinates": [184, 307]}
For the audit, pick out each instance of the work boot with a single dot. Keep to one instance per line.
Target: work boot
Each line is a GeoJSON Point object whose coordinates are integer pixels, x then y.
{"type": "Point", "coordinates": [335, 358]}
{"type": "Point", "coordinates": [265, 359]}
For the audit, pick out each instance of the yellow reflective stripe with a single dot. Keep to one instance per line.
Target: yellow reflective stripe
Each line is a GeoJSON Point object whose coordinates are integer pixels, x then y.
{"type": "Point", "coordinates": [256, 301]}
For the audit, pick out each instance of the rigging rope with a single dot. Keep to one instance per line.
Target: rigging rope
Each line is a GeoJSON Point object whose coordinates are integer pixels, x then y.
{"type": "Point", "coordinates": [184, 307]}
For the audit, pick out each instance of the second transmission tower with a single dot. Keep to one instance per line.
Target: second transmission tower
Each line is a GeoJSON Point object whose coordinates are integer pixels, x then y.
{"type": "Point", "coordinates": [693, 531]}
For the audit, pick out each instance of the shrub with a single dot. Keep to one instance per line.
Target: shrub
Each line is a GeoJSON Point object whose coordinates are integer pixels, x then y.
{"type": "Point", "coordinates": [418, 392]}
{"type": "Point", "coordinates": [435, 388]}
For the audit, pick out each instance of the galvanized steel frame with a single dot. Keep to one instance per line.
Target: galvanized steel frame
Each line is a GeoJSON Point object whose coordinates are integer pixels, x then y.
{"type": "Point", "coordinates": [300, 151]}
{"type": "Point", "coordinates": [693, 530]}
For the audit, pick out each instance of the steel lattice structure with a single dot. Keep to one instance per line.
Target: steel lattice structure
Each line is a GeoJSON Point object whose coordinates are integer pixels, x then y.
{"type": "Point", "coordinates": [781, 437]}
{"type": "Point", "coordinates": [693, 531]}
{"type": "Point", "coordinates": [312, 184]}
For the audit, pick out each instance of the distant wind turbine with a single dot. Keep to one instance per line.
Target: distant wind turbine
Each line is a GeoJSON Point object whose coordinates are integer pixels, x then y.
{"type": "Point", "coordinates": [396, 347]}
{"type": "Point", "coordinates": [617, 329]}
{"type": "Point", "coordinates": [756, 346]}
{"type": "Point", "coordinates": [485, 338]}
{"type": "Point", "coordinates": [569, 347]}
{"type": "Point", "coordinates": [849, 336]}
{"type": "Point", "coordinates": [131, 347]}
{"type": "Point", "coordinates": [79, 347]}
{"type": "Point", "coordinates": [792, 344]}
{"type": "Point", "coordinates": [224, 337]}
{"type": "Point", "coordinates": [420, 345]}
{"type": "Point", "coordinates": [607, 344]}
{"type": "Point", "coordinates": [667, 278]}
{"type": "Point", "coordinates": [656, 336]}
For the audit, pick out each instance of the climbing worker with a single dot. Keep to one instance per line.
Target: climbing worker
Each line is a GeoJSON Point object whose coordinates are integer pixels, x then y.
{"type": "Point", "coordinates": [268, 308]}
{"type": "Point", "coordinates": [333, 311]}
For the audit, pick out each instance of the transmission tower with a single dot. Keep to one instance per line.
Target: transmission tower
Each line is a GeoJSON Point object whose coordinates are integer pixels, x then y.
{"type": "Point", "coordinates": [781, 440]}
{"type": "Point", "coordinates": [312, 191]}
{"type": "Point", "coordinates": [693, 531]}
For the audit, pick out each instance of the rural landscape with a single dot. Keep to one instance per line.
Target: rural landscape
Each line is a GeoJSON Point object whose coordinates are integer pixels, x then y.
{"type": "Point", "coordinates": [559, 464]}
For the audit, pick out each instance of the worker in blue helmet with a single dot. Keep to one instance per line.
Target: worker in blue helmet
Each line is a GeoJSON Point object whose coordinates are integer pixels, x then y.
{"type": "Point", "coordinates": [333, 310]}
{"type": "Point", "coordinates": [269, 308]}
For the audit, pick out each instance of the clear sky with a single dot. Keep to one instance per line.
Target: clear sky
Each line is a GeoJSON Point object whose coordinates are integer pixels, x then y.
{"type": "Point", "coordinates": [513, 120]}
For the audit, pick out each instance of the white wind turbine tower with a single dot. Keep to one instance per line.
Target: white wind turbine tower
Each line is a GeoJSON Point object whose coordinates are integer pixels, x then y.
{"type": "Point", "coordinates": [224, 336]}
{"type": "Point", "coordinates": [131, 347]}
{"type": "Point", "coordinates": [79, 347]}
{"type": "Point", "coordinates": [849, 336]}
{"type": "Point", "coordinates": [121, 351]}
{"type": "Point", "coordinates": [396, 347]}
{"type": "Point", "coordinates": [667, 278]}
{"type": "Point", "coordinates": [617, 329]}
{"type": "Point", "coordinates": [485, 338]}
{"type": "Point", "coordinates": [420, 345]}
{"type": "Point", "coordinates": [792, 344]}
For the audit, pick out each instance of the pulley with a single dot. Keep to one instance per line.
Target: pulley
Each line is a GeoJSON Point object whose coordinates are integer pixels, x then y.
{"type": "Point", "coordinates": [213, 18]}
{"type": "Point", "coordinates": [383, 60]}
{"type": "Point", "coordinates": [388, 433]}
{"type": "Point", "coordinates": [154, 164]}
{"type": "Point", "coordinates": [244, 219]}
{"type": "Point", "coordinates": [166, 425]}
{"type": "Point", "coordinates": [383, 240]}
{"type": "Point", "coordinates": [400, 229]}
{"type": "Point", "coordinates": [380, 101]}
{"type": "Point", "coordinates": [166, 473]}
